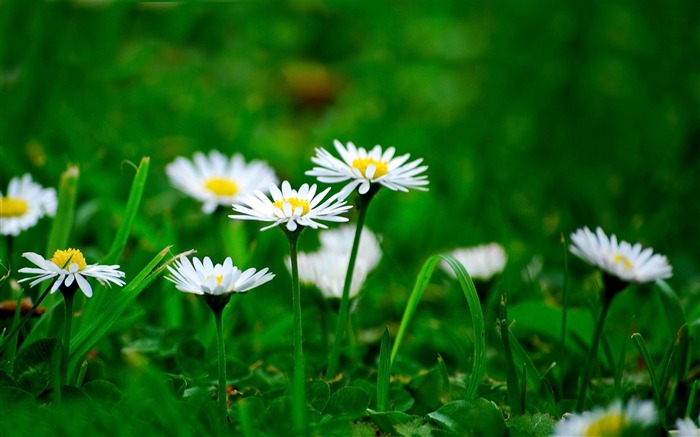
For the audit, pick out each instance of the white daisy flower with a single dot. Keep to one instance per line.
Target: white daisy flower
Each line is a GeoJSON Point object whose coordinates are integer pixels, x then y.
{"type": "Point", "coordinates": [326, 268]}
{"type": "Point", "coordinates": [203, 277]}
{"type": "Point", "coordinates": [24, 204]}
{"type": "Point", "coordinates": [218, 180]}
{"type": "Point", "coordinates": [69, 267]}
{"type": "Point", "coordinates": [293, 207]}
{"type": "Point", "coordinates": [362, 168]}
{"type": "Point", "coordinates": [482, 262]}
{"type": "Point", "coordinates": [686, 428]}
{"type": "Point", "coordinates": [629, 263]}
{"type": "Point", "coordinates": [612, 421]}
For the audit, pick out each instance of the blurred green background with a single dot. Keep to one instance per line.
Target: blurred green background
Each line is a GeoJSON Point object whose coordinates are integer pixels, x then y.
{"type": "Point", "coordinates": [535, 118]}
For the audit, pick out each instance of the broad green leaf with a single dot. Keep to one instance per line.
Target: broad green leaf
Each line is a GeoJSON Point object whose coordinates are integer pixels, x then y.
{"type": "Point", "coordinates": [36, 364]}
{"type": "Point", "coordinates": [348, 401]}
{"type": "Point", "coordinates": [401, 400]}
{"type": "Point", "coordinates": [386, 421]}
{"type": "Point", "coordinates": [531, 425]}
{"type": "Point", "coordinates": [384, 372]}
{"type": "Point", "coordinates": [318, 392]}
{"type": "Point", "coordinates": [102, 391]}
{"type": "Point", "coordinates": [475, 418]}
{"type": "Point", "coordinates": [477, 316]}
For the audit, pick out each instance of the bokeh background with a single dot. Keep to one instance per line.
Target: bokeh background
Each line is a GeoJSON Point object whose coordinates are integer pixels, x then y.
{"type": "Point", "coordinates": [535, 118]}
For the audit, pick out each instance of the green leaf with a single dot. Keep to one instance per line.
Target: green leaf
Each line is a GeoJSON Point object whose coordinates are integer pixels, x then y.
{"type": "Point", "coordinates": [63, 221]}
{"type": "Point", "coordinates": [36, 364]}
{"type": "Point", "coordinates": [189, 357]}
{"type": "Point", "coordinates": [477, 316]}
{"type": "Point", "coordinates": [386, 421]}
{"type": "Point", "coordinates": [348, 401]}
{"type": "Point", "coordinates": [384, 372]}
{"type": "Point", "coordinates": [103, 391]}
{"type": "Point", "coordinates": [250, 412]}
{"type": "Point", "coordinates": [318, 393]}
{"type": "Point", "coordinates": [476, 417]}
{"type": "Point", "coordinates": [531, 425]}
{"type": "Point", "coordinates": [514, 393]}
{"type": "Point", "coordinates": [279, 408]}
{"type": "Point", "coordinates": [15, 398]}
{"type": "Point", "coordinates": [644, 352]}
{"type": "Point", "coordinates": [401, 400]}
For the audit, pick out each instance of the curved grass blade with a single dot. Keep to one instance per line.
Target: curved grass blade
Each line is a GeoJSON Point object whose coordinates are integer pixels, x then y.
{"type": "Point", "coordinates": [63, 221]}
{"type": "Point", "coordinates": [514, 393]}
{"type": "Point", "coordinates": [384, 372]}
{"type": "Point", "coordinates": [644, 352]}
{"type": "Point", "coordinates": [467, 285]}
{"type": "Point", "coordinates": [132, 206]}
{"type": "Point", "coordinates": [102, 318]}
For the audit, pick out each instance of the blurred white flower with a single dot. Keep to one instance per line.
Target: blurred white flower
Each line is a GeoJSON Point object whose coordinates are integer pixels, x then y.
{"type": "Point", "coordinates": [628, 263]}
{"type": "Point", "coordinates": [686, 428]}
{"type": "Point", "coordinates": [326, 268]}
{"type": "Point", "coordinates": [615, 420]}
{"type": "Point", "coordinates": [362, 168]}
{"type": "Point", "coordinates": [203, 277]}
{"type": "Point", "coordinates": [24, 204]}
{"type": "Point", "coordinates": [69, 267]}
{"type": "Point", "coordinates": [482, 262]}
{"type": "Point", "coordinates": [291, 207]}
{"type": "Point", "coordinates": [218, 180]}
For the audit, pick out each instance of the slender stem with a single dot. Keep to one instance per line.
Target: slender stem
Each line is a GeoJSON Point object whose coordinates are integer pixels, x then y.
{"type": "Point", "coordinates": [341, 327]}
{"type": "Point", "coordinates": [68, 298]}
{"type": "Point", "coordinates": [298, 395]}
{"type": "Point", "coordinates": [564, 316]}
{"type": "Point", "coordinates": [221, 395]}
{"type": "Point", "coordinates": [25, 319]}
{"type": "Point", "coordinates": [592, 353]}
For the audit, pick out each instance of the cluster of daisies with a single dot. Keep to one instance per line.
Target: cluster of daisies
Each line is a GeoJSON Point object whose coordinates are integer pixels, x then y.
{"type": "Point", "coordinates": [253, 191]}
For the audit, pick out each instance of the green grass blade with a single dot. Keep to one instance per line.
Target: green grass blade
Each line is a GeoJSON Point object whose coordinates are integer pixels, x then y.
{"type": "Point", "coordinates": [670, 306]}
{"type": "Point", "coordinates": [63, 222]}
{"type": "Point", "coordinates": [101, 319]}
{"type": "Point", "coordinates": [467, 285]}
{"type": "Point", "coordinates": [132, 206]}
{"type": "Point", "coordinates": [644, 352]}
{"type": "Point", "coordinates": [691, 399]}
{"type": "Point", "coordinates": [384, 372]}
{"type": "Point", "coordinates": [514, 394]}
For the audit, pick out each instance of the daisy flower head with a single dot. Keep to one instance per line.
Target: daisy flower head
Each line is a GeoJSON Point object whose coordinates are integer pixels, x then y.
{"type": "Point", "coordinates": [291, 207]}
{"type": "Point", "coordinates": [627, 262]}
{"type": "Point", "coordinates": [203, 277]}
{"type": "Point", "coordinates": [634, 419]}
{"type": "Point", "coordinates": [326, 268]}
{"type": "Point", "coordinates": [69, 269]}
{"type": "Point", "coordinates": [24, 203]}
{"type": "Point", "coordinates": [686, 428]}
{"type": "Point", "coordinates": [364, 168]}
{"type": "Point", "coordinates": [482, 262]}
{"type": "Point", "coordinates": [215, 179]}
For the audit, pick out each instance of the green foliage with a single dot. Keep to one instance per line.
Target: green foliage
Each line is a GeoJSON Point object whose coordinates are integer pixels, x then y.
{"type": "Point", "coordinates": [474, 417]}
{"type": "Point", "coordinates": [36, 365]}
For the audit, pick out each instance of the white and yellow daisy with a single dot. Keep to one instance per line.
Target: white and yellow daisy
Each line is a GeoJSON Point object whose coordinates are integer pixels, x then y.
{"type": "Point", "coordinates": [615, 420]}
{"type": "Point", "coordinates": [69, 267]}
{"type": "Point", "coordinates": [363, 168]}
{"type": "Point", "coordinates": [623, 260]}
{"type": "Point", "coordinates": [204, 277]}
{"type": "Point", "coordinates": [292, 207]}
{"type": "Point", "coordinates": [482, 262]}
{"type": "Point", "coordinates": [217, 180]}
{"type": "Point", "coordinates": [686, 428]}
{"type": "Point", "coordinates": [24, 204]}
{"type": "Point", "coordinates": [326, 268]}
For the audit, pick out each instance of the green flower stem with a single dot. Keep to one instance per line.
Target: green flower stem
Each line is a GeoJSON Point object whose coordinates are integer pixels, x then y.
{"type": "Point", "coordinates": [298, 395]}
{"type": "Point", "coordinates": [592, 353]}
{"type": "Point", "coordinates": [341, 327]}
{"type": "Point", "coordinates": [221, 396]}
{"type": "Point", "coordinates": [68, 298]}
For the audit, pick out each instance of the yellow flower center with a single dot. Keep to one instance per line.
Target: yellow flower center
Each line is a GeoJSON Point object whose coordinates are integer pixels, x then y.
{"type": "Point", "coordinates": [608, 425]}
{"type": "Point", "coordinates": [221, 186]}
{"type": "Point", "coordinates": [218, 278]}
{"type": "Point", "coordinates": [626, 263]}
{"type": "Point", "coordinates": [381, 167]}
{"type": "Point", "coordinates": [64, 258]}
{"type": "Point", "coordinates": [294, 202]}
{"type": "Point", "coordinates": [12, 207]}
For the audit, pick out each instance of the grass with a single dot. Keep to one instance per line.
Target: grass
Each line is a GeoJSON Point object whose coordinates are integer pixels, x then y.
{"type": "Point", "coordinates": [534, 121]}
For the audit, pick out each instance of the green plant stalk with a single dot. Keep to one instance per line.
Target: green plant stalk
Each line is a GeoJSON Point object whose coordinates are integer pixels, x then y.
{"type": "Point", "coordinates": [592, 354]}
{"type": "Point", "coordinates": [298, 395]}
{"type": "Point", "coordinates": [68, 298]}
{"type": "Point", "coordinates": [244, 418]}
{"type": "Point", "coordinates": [81, 374]}
{"type": "Point", "coordinates": [638, 341]}
{"type": "Point", "coordinates": [564, 316]}
{"type": "Point", "coordinates": [514, 394]}
{"type": "Point", "coordinates": [384, 372]}
{"type": "Point", "coordinates": [341, 327]}
{"type": "Point", "coordinates": [691, 399]}
{"type": "Point", "coordinates": [221, 354]}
